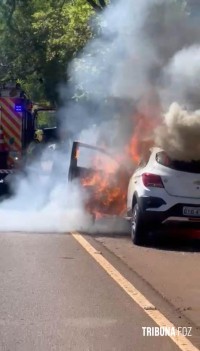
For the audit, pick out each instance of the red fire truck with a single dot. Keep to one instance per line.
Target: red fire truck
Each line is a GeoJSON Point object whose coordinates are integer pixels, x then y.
{"type": "Point", "coordinates": [16, 126]}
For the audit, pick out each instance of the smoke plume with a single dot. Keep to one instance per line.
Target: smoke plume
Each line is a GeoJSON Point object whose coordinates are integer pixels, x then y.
{"type": "Point", "coordinates": [44, 201]}
{"type": "Point", "coordinates": [179, 135]}
{"type": "Point", "coordinates": [144, 57]}
{"type": "Point", "coordinates": [182, 78]}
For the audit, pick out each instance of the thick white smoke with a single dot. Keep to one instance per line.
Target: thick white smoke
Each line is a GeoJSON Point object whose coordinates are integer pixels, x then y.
{"type": "Point", "coordinates": [182, 78]}
{"type": "Point", "coordinates": [44, 201]}
{"type": "Point", "coordinates": [144, 54]}
{"type": "Point", "coordinates": [63, 212]}
{"type": "Point", "coordinates": [148, 50]}
{"type": "Point", "coordinates": [180, 134]}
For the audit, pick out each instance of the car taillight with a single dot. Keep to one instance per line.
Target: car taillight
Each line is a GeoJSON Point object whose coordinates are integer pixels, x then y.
{"type": "Point", "coordinates": [152, 180]}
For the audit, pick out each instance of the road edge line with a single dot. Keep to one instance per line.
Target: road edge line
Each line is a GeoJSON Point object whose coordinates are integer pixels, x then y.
{"type": "Point", "coordinates": [180, 340]}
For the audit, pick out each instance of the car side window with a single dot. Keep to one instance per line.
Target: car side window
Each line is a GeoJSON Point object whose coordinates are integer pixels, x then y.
{"type": "Point", "coordinates": [163, 159]}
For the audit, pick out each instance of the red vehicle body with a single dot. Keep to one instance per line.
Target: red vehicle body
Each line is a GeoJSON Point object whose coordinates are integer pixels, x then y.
{"type": "Point", "coordinates": [16, 126]}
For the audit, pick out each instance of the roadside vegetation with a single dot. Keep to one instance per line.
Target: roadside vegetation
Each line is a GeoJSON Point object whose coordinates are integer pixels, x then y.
{"type": "Point", "coordinates": [38, 39]}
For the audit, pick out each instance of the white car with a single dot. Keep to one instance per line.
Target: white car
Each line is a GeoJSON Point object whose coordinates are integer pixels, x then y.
{"type": "Point", "coordinates": [163, 191]}
{"type": "Point", "coordinates": [160, 191]}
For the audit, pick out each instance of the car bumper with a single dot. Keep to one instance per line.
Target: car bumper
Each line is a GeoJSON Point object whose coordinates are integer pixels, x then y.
{"type": "Point", "coordinates": [173, 215]}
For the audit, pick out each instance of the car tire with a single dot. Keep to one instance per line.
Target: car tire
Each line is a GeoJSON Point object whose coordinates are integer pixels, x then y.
{"type": "Point", "coordinates": [139, 232]}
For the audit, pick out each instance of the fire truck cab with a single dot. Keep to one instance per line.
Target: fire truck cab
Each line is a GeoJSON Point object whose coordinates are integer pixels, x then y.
{"type": "Point", "coordinates": [46, 119]}
{"type": "Point", "coordinates": [16, 126]}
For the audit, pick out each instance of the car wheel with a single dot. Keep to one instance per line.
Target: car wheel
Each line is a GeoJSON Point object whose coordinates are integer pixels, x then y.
{"type": "Point", "coordinates": [138, 228]}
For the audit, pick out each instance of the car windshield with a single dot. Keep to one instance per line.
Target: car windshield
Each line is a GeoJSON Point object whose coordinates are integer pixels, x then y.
{"type": "Point", "coordinates": [191, 167]}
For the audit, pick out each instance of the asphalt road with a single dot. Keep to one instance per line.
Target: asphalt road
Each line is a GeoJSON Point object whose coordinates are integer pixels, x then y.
{"type": "Point", "coordinates": [55, 296]}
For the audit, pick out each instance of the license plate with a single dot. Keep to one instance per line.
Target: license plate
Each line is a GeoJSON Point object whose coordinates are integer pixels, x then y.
{"type": "Point", "coordinates": [191, 211]}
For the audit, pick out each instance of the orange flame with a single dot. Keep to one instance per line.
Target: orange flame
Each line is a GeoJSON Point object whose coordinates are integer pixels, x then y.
{"type": "Point", "coordinates": [107, 189]}
{"type": "Point", "coordinates": [77, 154]}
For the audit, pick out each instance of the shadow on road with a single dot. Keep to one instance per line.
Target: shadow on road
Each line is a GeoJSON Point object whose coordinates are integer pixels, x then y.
{"type": "Point", "coordinates": [110, 227]}
{"type": "Point", "coordinates": [183, 240]}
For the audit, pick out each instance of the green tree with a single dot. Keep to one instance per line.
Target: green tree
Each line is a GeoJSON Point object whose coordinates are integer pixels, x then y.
{"type": "Point", "coordinates": [38, 38]}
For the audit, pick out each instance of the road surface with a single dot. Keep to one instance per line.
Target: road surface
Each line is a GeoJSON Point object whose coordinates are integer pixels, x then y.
{"type": "Point", "coordinates": [55, 296]}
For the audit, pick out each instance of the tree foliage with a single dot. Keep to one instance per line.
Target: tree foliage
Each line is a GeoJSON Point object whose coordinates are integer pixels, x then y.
{"type": "Point", "coordinates": [38, 38]}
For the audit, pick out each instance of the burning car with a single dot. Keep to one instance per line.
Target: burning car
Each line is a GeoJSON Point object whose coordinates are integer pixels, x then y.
{"type": "Point", "coordinates": [103, 178]}
{"type": "Point", "coordinates": [161, 191]}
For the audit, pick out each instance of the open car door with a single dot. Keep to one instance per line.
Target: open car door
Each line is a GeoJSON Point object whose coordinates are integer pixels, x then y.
{"type": "Point", "coordinates": [102, 177]}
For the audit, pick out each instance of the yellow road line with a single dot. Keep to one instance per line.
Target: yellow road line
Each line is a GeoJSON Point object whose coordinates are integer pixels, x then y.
{"type": "Point", "coordinates": [180, 340]}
